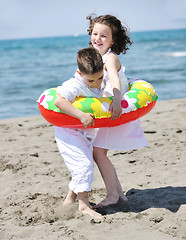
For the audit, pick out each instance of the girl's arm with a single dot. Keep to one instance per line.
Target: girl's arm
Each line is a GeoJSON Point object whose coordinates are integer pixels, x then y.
{"type": "Point", "coordinates": [113, 66]}
{"type": "Point", "coordinates": [65, 106]}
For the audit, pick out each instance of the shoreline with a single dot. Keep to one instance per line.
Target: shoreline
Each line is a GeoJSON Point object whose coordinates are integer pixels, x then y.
{"type": "Point", "coordinates": [34, 182]}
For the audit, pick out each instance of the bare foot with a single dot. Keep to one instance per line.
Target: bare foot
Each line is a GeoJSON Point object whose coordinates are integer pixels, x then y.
{"type": "Point", "coordinates": [87, 210]}
{"type": "Point", "coordinates": [107, 201]}
{"type": "Point", "coordinates": [111, 200]}
{"type": "Point", "coordinates": [70, 199]}
{"type": "Point", "coordinates": [123, 197]}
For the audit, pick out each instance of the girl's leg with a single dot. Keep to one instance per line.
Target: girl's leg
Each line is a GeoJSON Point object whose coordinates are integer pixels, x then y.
{"type": "Point", "coordinates": [85, 208]}
{"type": "Point", "coordinates": [107, 170]}
{"type": "Point", "coordinates": [70, 198]}
{"type": "Point", "coordinates": [120, 191]}
{"type": "Point", "coordinates": [108, 174]}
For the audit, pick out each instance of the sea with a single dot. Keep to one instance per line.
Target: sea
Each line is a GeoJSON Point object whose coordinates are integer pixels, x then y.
{"type": "Point", "coordinates": [29, 66]}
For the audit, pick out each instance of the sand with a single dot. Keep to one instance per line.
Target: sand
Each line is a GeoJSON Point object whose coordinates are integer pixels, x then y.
{"type": "Point", "coordinates": [34, 182]}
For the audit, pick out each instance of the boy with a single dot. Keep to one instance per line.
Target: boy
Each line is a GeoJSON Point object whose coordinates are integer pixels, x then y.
{"type": "Point", "coordinates": [76, 145]}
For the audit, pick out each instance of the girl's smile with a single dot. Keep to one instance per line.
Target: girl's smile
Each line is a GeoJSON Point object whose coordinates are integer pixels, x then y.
{"type": "Point", "coordinates": [101, 38]}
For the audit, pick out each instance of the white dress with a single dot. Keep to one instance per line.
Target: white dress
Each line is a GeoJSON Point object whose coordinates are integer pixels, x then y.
{"type": "Point", "coordinates": [126, 136]}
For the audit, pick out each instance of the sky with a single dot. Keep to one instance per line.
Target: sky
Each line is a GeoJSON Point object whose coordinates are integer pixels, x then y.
{"type": "Point", "coordinates": [47, 18]}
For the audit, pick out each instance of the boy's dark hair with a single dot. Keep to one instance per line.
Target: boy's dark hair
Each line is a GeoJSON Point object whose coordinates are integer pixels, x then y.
{"type": "Point", "coordinates": [119, 33]}
{"type": "Point", "coordinates": [89, 61]}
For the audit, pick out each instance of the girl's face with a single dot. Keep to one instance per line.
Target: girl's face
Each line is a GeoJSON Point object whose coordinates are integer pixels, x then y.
{"type": "Point", "coordinates": [101, 38]}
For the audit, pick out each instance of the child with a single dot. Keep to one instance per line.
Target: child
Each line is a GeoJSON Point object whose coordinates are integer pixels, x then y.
{"type": "Point", "coordinates": [110, 38]}
{"type": "Point", "coordinates": [75, 145]}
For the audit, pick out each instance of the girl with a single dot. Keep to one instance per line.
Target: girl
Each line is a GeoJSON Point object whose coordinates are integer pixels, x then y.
{"type": "Point", "coordinates": [110, 38]}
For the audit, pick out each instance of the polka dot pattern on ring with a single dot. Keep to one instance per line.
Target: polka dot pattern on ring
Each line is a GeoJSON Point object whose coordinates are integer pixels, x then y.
{"type": "Point", "coordinates": [124, 104]}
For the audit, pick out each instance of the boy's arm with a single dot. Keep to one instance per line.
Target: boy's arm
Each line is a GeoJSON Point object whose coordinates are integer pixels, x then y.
{"type": "Point", "coordinates": [65, 106]}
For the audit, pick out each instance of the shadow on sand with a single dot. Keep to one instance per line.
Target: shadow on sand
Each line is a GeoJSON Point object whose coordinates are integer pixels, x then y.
{"type": "Point", "coordinates": [170, 198]}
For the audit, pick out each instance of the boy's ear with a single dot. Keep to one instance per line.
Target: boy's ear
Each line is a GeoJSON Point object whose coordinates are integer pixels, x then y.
{"type": "Point", "coordinates": [79, 72]}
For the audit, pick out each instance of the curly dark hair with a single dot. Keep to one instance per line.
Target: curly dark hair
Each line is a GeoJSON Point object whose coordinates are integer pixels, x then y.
{"type": "Point", "coordinates": [119, 33]}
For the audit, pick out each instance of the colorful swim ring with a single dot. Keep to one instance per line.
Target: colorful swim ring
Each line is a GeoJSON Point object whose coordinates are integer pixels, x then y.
{"type": "Point", "coordinates": [137, 102]}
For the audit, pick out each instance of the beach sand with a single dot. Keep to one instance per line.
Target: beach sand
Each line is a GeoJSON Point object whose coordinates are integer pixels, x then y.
{"type": "Point", "coordinates": [34, 182]}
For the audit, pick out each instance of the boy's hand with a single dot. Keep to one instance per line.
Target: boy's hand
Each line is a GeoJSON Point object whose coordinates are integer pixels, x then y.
{"type": "Point", "coordinates": [115, 108]}
{"type": "Point", "coordinates": [87, 119]}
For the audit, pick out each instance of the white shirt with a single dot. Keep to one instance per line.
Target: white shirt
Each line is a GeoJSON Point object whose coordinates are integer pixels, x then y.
{"type": "Point", "coordinates": [76, 87]}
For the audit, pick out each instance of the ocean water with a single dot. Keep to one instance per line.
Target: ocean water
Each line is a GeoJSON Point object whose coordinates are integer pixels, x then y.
{"type": "Point", "coordinates": [29, 66]}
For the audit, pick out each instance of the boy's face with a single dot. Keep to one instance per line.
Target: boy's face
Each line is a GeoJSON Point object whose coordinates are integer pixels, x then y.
{"type": "Point", "coordinates": [93, 80]}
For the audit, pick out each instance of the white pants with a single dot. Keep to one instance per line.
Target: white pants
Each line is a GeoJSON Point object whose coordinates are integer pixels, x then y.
{"type": "Point", "coordinates": [77, 151]}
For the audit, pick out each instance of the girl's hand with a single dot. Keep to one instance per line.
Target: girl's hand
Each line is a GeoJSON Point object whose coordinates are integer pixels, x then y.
{"type": "Point", "coordinates": [115, 108]}
{"type": "Point", "coordinates": [87, 119]}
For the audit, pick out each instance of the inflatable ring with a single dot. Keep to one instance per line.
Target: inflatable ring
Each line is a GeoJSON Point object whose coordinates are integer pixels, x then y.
{"type": "Point", "coordinates": [138, 101]}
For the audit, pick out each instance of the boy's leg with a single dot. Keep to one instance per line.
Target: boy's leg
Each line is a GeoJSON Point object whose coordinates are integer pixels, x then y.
{"type": "Point", "coordinates": [77, 152]}
{"type": "Point", "coordinates": [70, 198]}
{"type": "Point", "coordinates": [85, 208]}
